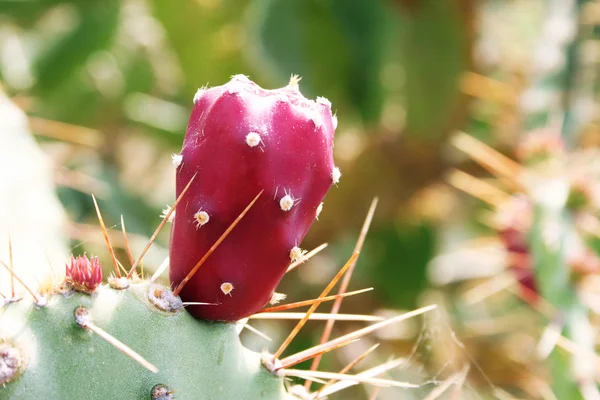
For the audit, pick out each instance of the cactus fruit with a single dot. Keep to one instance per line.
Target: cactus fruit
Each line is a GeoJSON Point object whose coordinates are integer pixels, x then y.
{"type": "Point", "coordinates": [243, 140]}
{"type": "Point", "coordinates": [255, 165]}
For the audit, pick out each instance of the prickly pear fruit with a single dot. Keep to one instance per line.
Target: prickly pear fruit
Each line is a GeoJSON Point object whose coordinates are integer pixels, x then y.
{"type": "Point", "coordinates": [241, 140]}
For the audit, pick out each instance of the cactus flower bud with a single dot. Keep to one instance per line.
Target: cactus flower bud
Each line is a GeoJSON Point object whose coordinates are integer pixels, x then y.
{"type": "Point", "coordinates": [84, 274]}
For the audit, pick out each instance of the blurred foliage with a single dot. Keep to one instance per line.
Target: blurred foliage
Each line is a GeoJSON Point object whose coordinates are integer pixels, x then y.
{"type": "Point", "coordinates": [402, 75]}
{"type": "Point", "coordinates": [131, 68]}
{"type": "Point", "coordinates": [338, 47]}
{"type": "Point", "coordinates": [398, 259]}
{"type": "Point", "coordinates": [435, 52]}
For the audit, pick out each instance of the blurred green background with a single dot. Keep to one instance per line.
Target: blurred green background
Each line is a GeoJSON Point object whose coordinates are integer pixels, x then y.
{"type": "Point", "coordinates": [108, 85]}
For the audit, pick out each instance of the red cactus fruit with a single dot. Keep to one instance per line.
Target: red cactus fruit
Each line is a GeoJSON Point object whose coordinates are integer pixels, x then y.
{"type": "Point", "coordinates": [84, 274]}
{"type": "Point", "coordinates": [241, 140]}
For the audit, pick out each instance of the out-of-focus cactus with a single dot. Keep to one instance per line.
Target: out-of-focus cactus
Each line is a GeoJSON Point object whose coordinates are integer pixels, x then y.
{"type": "Point", "coordinates": [546, 203]}
{"type": "Point", "coordinates": [545, 225]}
{"type": "Point", "coordinates": [30, 212]}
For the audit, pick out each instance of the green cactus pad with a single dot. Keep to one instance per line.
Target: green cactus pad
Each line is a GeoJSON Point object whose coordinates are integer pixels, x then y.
{"type": "Point", "coordinates": [59, 359]}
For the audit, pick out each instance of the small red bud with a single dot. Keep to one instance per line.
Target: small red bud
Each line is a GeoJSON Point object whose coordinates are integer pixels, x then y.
{"type": "Point", "coordinates": [84, 274]}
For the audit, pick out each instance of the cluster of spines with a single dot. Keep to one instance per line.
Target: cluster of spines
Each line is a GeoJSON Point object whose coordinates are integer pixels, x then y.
{"type": "Point", "coordinates": [541, 153]}
{"type": "Point", "coordinates": [85, 275]}
{"type": "Point", "coordinates": [81, 274]}
{"type": "Point", "coordinates": [547, 226]}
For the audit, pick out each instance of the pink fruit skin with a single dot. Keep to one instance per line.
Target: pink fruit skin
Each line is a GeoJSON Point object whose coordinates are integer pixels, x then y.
{"type": "Point", "coordinates": [294, 157]}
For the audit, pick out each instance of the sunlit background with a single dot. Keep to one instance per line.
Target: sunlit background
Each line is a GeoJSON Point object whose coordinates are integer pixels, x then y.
{"type": "Point", "coordinates": [95, 97]}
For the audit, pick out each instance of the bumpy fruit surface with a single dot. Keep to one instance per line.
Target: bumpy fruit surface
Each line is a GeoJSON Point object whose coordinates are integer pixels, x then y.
{"type": "Point", "coordinates": [241, 140]}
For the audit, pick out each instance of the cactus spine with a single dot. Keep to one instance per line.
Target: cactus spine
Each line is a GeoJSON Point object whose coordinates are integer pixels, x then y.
{"type": "Point", "coordinates": [251, 177]}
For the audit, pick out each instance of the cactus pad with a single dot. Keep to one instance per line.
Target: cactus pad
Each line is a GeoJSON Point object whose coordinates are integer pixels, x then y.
{"type": "Point", "coordinates": [48, 355]}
